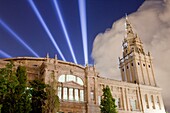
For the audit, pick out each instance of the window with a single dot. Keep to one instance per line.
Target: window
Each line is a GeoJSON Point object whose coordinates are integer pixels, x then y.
{"type": "Point", "coordinates": [81, 95]}
{"type": "Point", "coordinates": [92, 95]}
{"type": "Point", "coordinates": [133, 104]}
{"type": "Point", "coordinates": [71, 94]}
{"type": "Point", "coordinates": [123, 70]}
{"type": "Point", "coordinates": [65, 93]}
{"type": "Point", "coordinates": [144, 65]}
{"type": "Point", "coordinates": [131, 64]}
{"type": "Point", "coordinates": [99, 98]}
{"type": "Point", "coordinates": [76, 95]}
{"type": "Point", "coordinates": [59, 92]}
{"type": "Point", "coordinates": [71, 78]}
{"type": "Point", "coordinates": [79, 81]}
{"type": "Point", "coordinates": [146, 101]}
{"type": "Point", "coordinates": [117, 102]}
{"type": "Point", "coordinates": [138, 63]}
{"type": "Point", "coordinates": [127, 67]}
{"type": "Point", "coordinates": [61, 78]}
{"type": "Point", "coordinates": [149, 66]}
{"type": "Point", "coordinates": [152, 101]}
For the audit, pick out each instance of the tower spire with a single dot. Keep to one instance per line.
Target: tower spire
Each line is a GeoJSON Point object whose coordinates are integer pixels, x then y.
{"type": "Point", "coordinates": [128, 27]}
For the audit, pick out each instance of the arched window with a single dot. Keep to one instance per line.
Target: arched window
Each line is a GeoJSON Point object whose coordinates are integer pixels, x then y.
{"type": "Point", "coordinates": [62, 78]}
{"type": "Point", "coordinates": [70, 88]}
{"type": "Point", "coordinates": [67, 78]}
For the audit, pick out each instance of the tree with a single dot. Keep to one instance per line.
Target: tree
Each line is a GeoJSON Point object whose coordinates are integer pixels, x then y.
{"type": "Point", "coordinates": [52, 102]}
{"type": "Point", "coordinates": [23, 97]}
{"type": "Point", "coordinates": [38, 96]}
{"type": "Point", "coordinates": [107, 102]}
{"type": "Point", "coordinates": [13, 92]}
{"type": "Point", "coordinates": [9, 82]}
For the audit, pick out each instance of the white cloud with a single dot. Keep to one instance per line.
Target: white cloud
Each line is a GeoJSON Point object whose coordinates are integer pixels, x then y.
{"type": "Point", "coordinates": [152, 23]}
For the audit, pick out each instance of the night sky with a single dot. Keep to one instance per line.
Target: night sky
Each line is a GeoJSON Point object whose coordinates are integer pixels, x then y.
{"type": "Point", "coordinates": [19, 16]}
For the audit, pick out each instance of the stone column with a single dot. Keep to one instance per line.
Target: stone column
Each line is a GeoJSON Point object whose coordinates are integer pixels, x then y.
{"type": "Point", "coordinates": [161, 102]}
{"type": "Point", "coordinates": [124, 98]}
{"type": "Point", "coordinates": [127, 100]}
{"type": "Point", "coordinates": [95, 90]}
{"type": "Point", "coordinates": [67, 93]}
{"type": "Point", "coordinates": [79, 94]}
{"type": "Point", "coordinates": [139, 98]}
{"type": "Point", "coordinates": [74, 94]}
{"type": "Point", "coordinates": [62, 92]}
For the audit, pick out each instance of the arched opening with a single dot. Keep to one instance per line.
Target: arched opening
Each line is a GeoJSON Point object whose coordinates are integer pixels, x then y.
{"type": "Point", "coordinates": [70, 88]}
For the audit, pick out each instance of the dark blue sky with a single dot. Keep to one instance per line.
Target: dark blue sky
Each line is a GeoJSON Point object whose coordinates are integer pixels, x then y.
{"type": "Point", "coordinates": [20, 17]}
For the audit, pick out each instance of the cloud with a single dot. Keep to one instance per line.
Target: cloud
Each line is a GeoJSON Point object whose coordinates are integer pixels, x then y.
{"type": "Point", "coordinates": [152, 24]}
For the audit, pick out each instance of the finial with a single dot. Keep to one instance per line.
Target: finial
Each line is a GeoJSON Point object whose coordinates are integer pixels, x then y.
{"type": "Point", "coordinates": [47, 55]}
{"type": "Point", "coordinates": [55, 56]}
{"type": "Point", "coordinates": [127, 21]}
{"type": "Point", "coordinates": [126, 16]}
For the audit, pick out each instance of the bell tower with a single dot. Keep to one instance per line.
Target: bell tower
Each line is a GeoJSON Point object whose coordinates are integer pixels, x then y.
{"type": "Point", "coordinates": [135, 65]}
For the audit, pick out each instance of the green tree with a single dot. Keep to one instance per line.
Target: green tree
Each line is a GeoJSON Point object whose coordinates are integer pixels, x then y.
{"type": "Point", "coordinates": [107, 102]}
{"type": "Point", "coordinates": [52, 102]}
{"type": "Point", "coordinates": [38, 96]}
{"type": "Point", "coordinates": [14, 94]}
{"type": "Point", "coordinates": [22, 94]}
{"type": "Point", "coordinates": [9, 83]}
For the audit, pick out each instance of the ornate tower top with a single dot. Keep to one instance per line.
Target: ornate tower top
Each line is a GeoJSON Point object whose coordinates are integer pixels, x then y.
{"type": "Point", "coordinates": [131, 41]}
{"type": "Point", "coordinates": [135, 65]}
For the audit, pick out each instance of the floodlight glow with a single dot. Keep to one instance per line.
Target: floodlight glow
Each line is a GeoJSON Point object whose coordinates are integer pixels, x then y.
{"type": "Point", "coordinates": [64, 29]}
{"type": "Point", "coordinates": [45, 27]}
{"type": "Point", "coordinates": [82, 12]}
{"type": "Point", "coordinates": [4, 54]}
{"type": "Point", "coordinates": [18, 38]}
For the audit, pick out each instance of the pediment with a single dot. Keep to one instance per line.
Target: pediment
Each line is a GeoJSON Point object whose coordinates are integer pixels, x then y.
{"type": "Point", "coordinates": [72, 84]}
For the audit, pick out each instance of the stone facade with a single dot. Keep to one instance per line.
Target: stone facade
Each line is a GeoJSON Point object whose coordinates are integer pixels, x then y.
{"type": "Point", "coordinates": [80, 87]}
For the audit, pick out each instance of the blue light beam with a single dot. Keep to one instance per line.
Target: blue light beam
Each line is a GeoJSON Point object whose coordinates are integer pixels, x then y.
{"type": "Point", "coordinates": [18, 38]}
{"type": "Point", "coordinates": [45, 28]}
{"type": "Point", "coordinates": [5, 54]}
{"type": "Point", "coordinates": [82, 12]}
{"type": "Point", "coordinates": [64, 30]}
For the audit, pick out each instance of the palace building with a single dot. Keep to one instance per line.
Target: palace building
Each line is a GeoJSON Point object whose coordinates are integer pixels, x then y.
{"type": "Point", "coordinates": [80, 87]}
